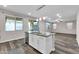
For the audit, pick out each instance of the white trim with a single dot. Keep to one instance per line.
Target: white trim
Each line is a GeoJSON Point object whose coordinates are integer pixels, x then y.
{"type": "Point", "coordinates": [11, 40]}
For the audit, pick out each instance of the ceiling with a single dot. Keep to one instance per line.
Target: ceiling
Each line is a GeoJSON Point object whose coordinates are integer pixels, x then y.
{"type": "Point", "coordinates": [68, 12]}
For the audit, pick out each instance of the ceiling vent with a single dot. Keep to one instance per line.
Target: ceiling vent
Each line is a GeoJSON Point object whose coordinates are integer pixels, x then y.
{"type": "Point", "coordinates": [40, 7]}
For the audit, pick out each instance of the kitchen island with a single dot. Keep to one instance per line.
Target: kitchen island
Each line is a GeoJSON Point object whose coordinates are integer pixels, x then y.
{"type": "Point", "coordinates": [44, 43]}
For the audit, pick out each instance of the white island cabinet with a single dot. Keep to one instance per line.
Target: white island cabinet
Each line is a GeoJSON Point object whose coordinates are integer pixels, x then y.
{"type": "Point", "coordinates": [42, 43]}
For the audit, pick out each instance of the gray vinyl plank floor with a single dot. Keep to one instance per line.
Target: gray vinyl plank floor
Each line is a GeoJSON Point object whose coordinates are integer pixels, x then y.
{"type": "Point", "coordinates": [64, 44]}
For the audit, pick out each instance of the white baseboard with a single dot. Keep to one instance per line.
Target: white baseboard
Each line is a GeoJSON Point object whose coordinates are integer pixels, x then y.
{"type": "Point", "coordinates": [11, 40]}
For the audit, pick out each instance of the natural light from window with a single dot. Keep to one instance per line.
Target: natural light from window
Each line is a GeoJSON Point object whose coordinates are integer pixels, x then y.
{"type": "Point", "coordinates": [13, 24]}
{"type": "Point", "coordinates": [10, 25]}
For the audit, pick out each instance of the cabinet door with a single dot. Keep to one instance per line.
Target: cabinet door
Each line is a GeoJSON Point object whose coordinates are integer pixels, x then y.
{"type": "Point", "coordinates": [30, 39]}
{"type": "Point", "coordinates": [49, 44]}
{"type": "Point", "coordinates": [41, 44]}
{"type": "Point", "coordinates": [35, 38]}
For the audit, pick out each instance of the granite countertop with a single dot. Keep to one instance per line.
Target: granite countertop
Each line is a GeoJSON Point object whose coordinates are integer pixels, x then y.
{"type": "Point", "coordinates": [40, 34]}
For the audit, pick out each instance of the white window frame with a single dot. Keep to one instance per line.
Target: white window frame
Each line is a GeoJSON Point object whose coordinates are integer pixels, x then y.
{"type": "Point", "coordinates": [22, 25]}
{"type": "Point", "coordinates": [14, 23]}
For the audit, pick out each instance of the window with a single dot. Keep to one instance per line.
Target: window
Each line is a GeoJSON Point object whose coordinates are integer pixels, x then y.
{"type": "Point", "coordinates": [69, 25]}
{"type": "Point", "coordinates": [10, 24]}
{"type": "Point", "coordinates": [13, 24]}
{"type": "Point", "coordinates": [19, 24]}
{"type": "Point", "coordinates": [33, 26]}
{"type": "Point", "coordinates": [48, 26]}
{"type": "Point", "coordinates": [54, 26]}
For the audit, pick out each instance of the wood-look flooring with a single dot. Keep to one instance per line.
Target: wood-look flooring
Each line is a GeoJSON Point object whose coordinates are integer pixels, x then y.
{"type": "Point", "coordinates": [64, 44]}
{"type": "Point", "coordinates": [16, 47]}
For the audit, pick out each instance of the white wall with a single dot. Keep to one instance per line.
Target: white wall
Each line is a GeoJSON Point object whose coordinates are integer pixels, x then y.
{"type": "Point", "coordinates": [13, 35]}
{"type": "Point", "coordinates": [42, 28]}
{"type": "Point", "coordinates": [62, 28]}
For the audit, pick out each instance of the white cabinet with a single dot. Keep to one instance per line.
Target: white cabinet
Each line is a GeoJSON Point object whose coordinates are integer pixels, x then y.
{"type": "Point", "coordinates": [49, 44]}
{"type": "Point", "coordinates": [35, 41]}
{"type": "Point", "coordinates": [30, 39]}
{"type": "Point", "coordinates": [40, 43]}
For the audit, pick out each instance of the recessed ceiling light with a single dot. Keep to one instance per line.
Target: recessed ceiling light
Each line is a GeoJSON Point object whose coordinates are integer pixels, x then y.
{"type": "Point", "coordinates": [61, 20]}
{"type": "Point", "coordinates": [4, 5]}
{"type": "Point", "coordinates": [58, 15]}
{"type": "Point", "coordinates": [57, 20]}
{"type": "Point", "coordinates": [37, 19]}
{"type": "Point", "coordinates": [29, 13]}
{"type": "Point", "coordinates": [44, 18]}
{"type": "Point", "coordinates": [40, 19]}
